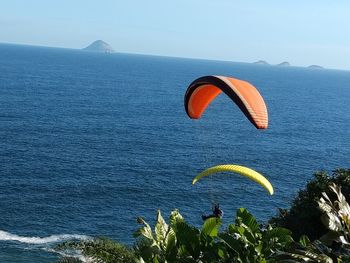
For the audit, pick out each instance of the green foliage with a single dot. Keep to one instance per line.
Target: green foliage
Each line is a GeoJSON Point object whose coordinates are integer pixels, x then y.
{"type": "Point", "coordinates": [248, 242]}
{"type": "Point", "coordinates": [178, 241]}
{"type": "Point", "coordinates": [305, 251]}
{"type": "Point", "coordinates": [69, 260]}
{"type": "Point", "coordinates": [304, 217]}
{"type": "Point", "coordinates": [98, 250]}
{"type": "Point", "coordinates": [334, 246]}
{"type": "Point", "coordinates": [243, 241]}
{"type": "Point", "coordinates": [159, 246]}
{"type": "Point", "coordinates": [336, 217]}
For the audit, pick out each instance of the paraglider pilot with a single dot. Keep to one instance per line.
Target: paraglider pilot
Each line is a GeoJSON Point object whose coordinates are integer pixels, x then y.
{"type": "Point", "coordinates": [217, 212]}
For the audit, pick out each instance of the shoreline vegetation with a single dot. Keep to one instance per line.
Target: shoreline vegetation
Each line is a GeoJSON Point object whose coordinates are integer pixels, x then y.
{"type": "Point", "coordinates": [316, 228]}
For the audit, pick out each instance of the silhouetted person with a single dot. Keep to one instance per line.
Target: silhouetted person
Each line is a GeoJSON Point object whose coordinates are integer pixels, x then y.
{"type": "Point", "coordinates": [217, 212]}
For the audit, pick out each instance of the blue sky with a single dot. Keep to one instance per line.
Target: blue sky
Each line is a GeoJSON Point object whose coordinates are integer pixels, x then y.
{"type": "Point", "coordinates": [301, 32]}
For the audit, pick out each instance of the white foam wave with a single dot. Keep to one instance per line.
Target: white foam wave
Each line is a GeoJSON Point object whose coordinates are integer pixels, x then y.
{"type": "Point", "coordinates": [6, 236]}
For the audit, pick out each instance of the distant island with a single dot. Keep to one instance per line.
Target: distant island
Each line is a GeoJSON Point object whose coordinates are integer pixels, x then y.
{"type": "Point", "coordinates": [284, 64]}
{"type": "Point", "coordinates": [99, 46]}
{"type": "Point", "coordinates": [315, 67]}
{"type": "Point", "coordinates": [261, 62]}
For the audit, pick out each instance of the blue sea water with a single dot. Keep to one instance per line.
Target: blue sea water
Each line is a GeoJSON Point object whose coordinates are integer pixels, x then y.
{"type": "Point", "coordinates": [88, 142]}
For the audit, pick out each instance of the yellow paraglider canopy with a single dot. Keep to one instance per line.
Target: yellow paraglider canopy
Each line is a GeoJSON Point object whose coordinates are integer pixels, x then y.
{"type": "Point", "coordinates": [245, 171]}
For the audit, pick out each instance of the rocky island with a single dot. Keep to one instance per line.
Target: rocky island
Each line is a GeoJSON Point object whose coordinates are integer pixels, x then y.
{"type": "Point", "coordinates": [99, 46]}
{"type": "Point", "coordinates": [315, 67]}
{"type": "Point", "coordinates": [284, 64]}
{"type": "Point", "coordinates": [261, 62]}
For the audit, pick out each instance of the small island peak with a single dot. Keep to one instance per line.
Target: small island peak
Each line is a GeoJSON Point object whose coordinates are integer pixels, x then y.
{"type": "Point", "coordinates": [284, 64]}
{"type": "Point", "coordinates": [315, 67]}
{"type": "Point", "coordinates": [99, 46]}
{"type": "Point", "coordinates": [261, 62]}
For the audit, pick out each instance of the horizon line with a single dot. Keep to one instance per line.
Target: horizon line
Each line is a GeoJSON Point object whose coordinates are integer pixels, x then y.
{"type": "Point", "coordinates": [181, 57]}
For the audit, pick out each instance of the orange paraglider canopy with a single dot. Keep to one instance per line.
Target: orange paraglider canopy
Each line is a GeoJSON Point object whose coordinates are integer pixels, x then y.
{"type": "Point", "coordinates": [204, 90]}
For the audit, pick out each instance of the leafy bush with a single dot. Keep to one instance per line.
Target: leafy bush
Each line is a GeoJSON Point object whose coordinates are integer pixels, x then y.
{"type": "Point", "coordinates": [160, 245]}
{"type": "Point", "coordinates": [243, 241]}
{"type": "Point", "coordinates": [69, 260]}
{"type": "Point", "coordinates": [304, 216]}
{"type": "Point", "coordinates": [98, 250]}
{"type": "Point", "coordinates": [334, 246]}
{"type": "Point", "coordinates": [305, 251]}
{"type": "Point", "coordinates": [336, 217]}
{"type": "Point", "coordinates": [321, 211]}
{"type": "Point", "coordinates": [246, 241]}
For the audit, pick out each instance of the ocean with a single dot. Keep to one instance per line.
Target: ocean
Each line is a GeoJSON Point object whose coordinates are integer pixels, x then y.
{"type": "Point", "coordinates": [89, 142]}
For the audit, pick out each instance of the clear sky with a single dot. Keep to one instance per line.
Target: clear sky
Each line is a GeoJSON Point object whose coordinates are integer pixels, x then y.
{"type": "Point", "coordinates": [301, 32]}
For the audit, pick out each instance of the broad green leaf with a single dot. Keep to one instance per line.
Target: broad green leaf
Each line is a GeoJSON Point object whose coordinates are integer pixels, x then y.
{"type": "Point", "coordinates": [188, 237]}
{"type": "Point", "coordinates": [232, 242]}
{"type": "Point", "coordinates": [247, 219]}
{"type": "Point", "coordinates": [175, 217]}
{"type": "Point", "coordinates": [170, 248]}
{"type": "Point", "coordinates": [221, 253]}
{"type": "Point", "coordinates": [145, 231]}
{"type": "Point", "coordinates": [279, 234]}
{"type": "Point", "coordinates": [161, 227]}
{"type": "Point", "coordinates": [304, 241]}
{"type": "Point", "coordinates": [211, 226]}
